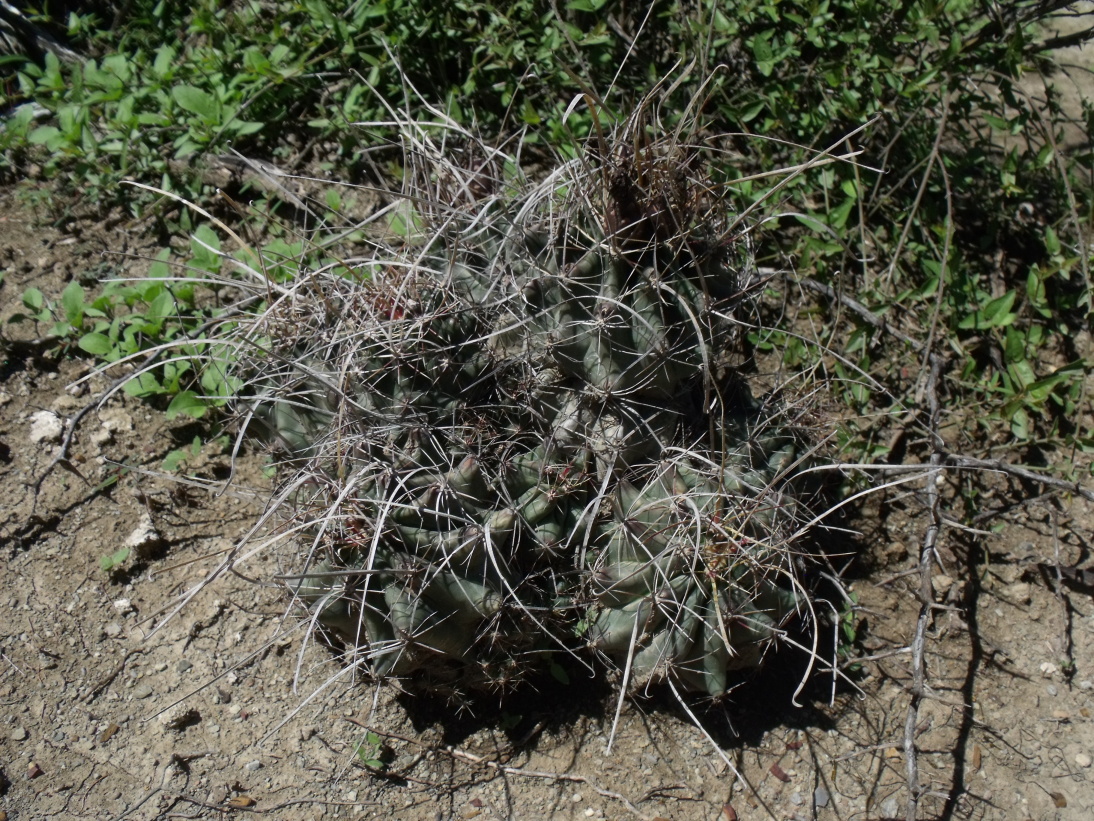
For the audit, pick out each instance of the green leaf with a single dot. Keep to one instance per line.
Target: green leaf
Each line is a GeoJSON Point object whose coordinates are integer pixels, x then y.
{"type": "Point", "coordinates": [162, 306]}
{"type": "Point", "coordinates": [165, 58]}
{"type": "Point", "coordinates": [143, 385]}
{"type": "Point", "coordinates": [1022, 373]}
{"type": "Point", "coordinates": [1052, 241]}
{"type": "Point", "coordinates": [204, 240]}
{"type": "Point", "coordinates": [33, 299]}
{"type": "Point", "coordinates": [995, 314]}
{"type": "Point", "coordinates": [173, 460]}
{"type": "Point", "coordinates": [187, 402]}
{"type": "Point", "coordinates": [115, 559]}
{"type": "Point", "coordinates": [750, 113]}
{"type": "Point", "coordinates": [1014, 348]}
{"type": "Point", "coordinates": [44, 135]}
{"type": "Point", "coordinates": [96, 344]}
{"type": "Point", "coordinates": [197, 101]}
{"type": "Point", "coordinates": [72, 301]}
{"type": "Point", "coordinates": [558, 673]}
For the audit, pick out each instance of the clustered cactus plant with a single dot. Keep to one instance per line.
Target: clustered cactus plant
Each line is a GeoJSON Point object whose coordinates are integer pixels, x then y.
{"type": "Point", "coordinates": [518, 429]}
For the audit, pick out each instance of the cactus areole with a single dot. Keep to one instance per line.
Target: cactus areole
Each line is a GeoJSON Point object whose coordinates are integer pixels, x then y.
{"type": "Point", "coordinates": [518, 430]}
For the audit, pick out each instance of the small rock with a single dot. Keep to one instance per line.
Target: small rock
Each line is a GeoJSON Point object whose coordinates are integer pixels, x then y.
{"type": "Point", "coordinates": [796, 799]}
{"type": "Point", "coordinates": [178, 717]}
{"type": "Point", "coordinates": [942, 583]}
{"type": "Point", "coordinates": [113, 630]}
{"type": "Point", "coordinates": [253, 766]}
{"type": "Point", "coordinates": [1083, 760]}
{"type": "Point", "coordinates": [820, 797]}
{"type": "Point", "coordinates": [142, 690]}
{"type": "Point", "coordinates": [351, 796]}
{"type": "Point", "coordinates": [102, 437]}
{"type": "Point", "coordinates": [1051, 690]}
{"type": "Point", "coordinates": [46, 426]}
{"type": "Point", "coordinates": [19, 734]}
{"type": "Point", "coordinates": [889, 807]}
{"type": "Point", "coordinates": [184, 666]}
{"type": "Point", "coordinates": [123, 606]}
{"type": "Point", "coordinates": [218, 795]}
{"type": "Point", "coordinates": [1086, 684]}
{"type": "Point", "coordinates": [1019, 593]}
{"type": "Point", "coordinates": [1048, 669]}
{"type": "Point", "coordinates": [144, 535]}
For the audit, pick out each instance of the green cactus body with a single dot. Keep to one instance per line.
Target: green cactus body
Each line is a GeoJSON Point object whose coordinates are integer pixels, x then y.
{"type": "Point", "coordinates": [524, 414]}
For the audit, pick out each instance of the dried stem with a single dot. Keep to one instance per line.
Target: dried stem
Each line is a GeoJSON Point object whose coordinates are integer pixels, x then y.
{"type": "Point", "coordinates": [926, 590]}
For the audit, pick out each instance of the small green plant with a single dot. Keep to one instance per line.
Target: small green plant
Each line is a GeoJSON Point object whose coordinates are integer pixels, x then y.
{"type": "Point", "coordinates": [372, 752]}
{"type": "Point", "coordinates": [847, 644]}
{"type": "Point", "coordinates": [112, 561]}
{"type": "Point", "coordinates": [177, 460]}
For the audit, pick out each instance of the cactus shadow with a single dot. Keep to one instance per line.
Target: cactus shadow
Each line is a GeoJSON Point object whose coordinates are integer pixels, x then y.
{"type": "Point", "coordinates": [550, 702]}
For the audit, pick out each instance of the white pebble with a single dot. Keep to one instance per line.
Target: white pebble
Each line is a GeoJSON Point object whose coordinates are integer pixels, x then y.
{"type": "Point", "coordinates": [46, 426]}
{"type": "Point", "coordinates": [1083, 760]}
{"type": "Point", "coordinates": [144, 534]}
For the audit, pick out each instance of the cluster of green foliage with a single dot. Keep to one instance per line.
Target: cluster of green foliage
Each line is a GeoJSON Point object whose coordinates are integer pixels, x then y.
{"type": "Point", "coordinates": [275, 78]}
{"type": "Point", "coordinates": [972, 240]}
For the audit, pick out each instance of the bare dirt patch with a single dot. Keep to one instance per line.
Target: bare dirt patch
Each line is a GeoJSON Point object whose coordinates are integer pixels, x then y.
{"type": "Point", "coordinates": [108, 710]}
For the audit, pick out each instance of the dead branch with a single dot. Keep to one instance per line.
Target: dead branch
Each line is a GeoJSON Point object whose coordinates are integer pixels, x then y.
{"type": "Point", "coordinates": [926, 591]}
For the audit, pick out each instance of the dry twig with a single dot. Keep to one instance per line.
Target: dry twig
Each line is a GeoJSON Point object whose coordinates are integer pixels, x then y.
{"type": "Point", "coordinates": [926, 590]}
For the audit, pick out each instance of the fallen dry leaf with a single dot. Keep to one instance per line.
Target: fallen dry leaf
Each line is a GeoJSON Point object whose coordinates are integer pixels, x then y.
{"type": "Point", "coordinates": [976, 756]}
{"type": "Point", "coordinates": [1058, 799]}
{"type": "Point", "coordinates": [729, 813]}
{"type": "Point", "coordinates": [778, 772]}
{"type": "Point", "coordinates": [106, 734]}
{"type": "Point", "coordinates": [240, 802]}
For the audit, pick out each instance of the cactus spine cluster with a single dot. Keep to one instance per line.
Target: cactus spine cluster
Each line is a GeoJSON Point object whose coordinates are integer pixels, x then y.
{"type": "Point", "coordinates": [519, 431]}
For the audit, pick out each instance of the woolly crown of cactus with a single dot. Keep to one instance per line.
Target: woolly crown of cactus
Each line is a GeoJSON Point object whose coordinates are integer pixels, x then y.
{"type": "Point", "coordinates": [517, 429]}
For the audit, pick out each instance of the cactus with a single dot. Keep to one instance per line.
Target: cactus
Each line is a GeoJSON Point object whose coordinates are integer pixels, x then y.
{"type": "Point", "coordinates": [520, 431]}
